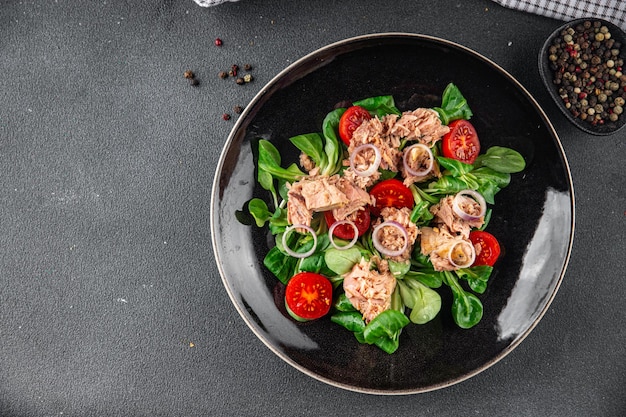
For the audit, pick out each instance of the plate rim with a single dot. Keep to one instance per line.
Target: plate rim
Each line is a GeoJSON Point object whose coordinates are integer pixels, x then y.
{"type": "Point", "coordinates": [216, 185]}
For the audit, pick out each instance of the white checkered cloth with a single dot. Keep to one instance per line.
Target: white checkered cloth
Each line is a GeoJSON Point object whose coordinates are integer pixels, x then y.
{"type": "Point", "coordinates": [613, 11]}
{"type": "Point", "coordinates": [207, 3]}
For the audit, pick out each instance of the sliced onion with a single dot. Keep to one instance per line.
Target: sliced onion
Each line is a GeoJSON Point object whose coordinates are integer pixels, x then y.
{"type": "Point", "coordinates": [472, 252]}
{"type": "Point", "coordinates": [456, 205]}
{"type": "Point", "coordinates": [378, 244]}
{"type": "Point", "coordinates": [339, 223]}
{"type": "Point", "coordinates": [373, 167]}
{"type": "Point", "coordinates": [412, 171]}
{"type": "Point", "coordinates": [308, 229]}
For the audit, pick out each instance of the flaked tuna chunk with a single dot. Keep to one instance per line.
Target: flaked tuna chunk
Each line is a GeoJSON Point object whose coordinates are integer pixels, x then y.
{"type": "Point", "coordinates": [438, 244]}
{"type": "Point", "coordinates": [306, 162]}
{"type": "Point", "coordinates": [422, 125]}
{"type": "Point", "coordinates": [444, 214]}
{"type": "Point", "coordinates": [316, 194]}
{"type": "Point", "coordinates": [297, 212]}
{"type": "Point", "coordinates": [320, 195]}
{"type": "Point", "coordinates": [312, 194]}
{"type": "Point", "coordinates": [357, 198]}
{"type": "Point", "coordinates": [359, 181]}
{"type": "Point", "coordinates": [376, 132]}
{"type": "Point", "coordinates": [369, 290]}
{"type": "Point", "coordinates": [391, 238]}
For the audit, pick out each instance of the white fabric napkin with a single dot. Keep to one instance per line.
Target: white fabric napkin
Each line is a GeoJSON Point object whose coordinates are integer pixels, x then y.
{"type": "Point", "coordinates": [613, 11]}
{"type": "Point", "coordinates": [207, 3]}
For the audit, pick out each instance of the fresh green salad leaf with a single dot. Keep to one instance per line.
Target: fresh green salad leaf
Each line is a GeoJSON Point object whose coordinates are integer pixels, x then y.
{"type": "Point", "coordinates": [332, 146]}
{"type": "Point", "coordinates": [430, 278]}
{"type": "Point", "coordinates": [501, 159]}
{"type": "Point", "coordinates": [260, 212]}
{"type": "Point", "coordinates": [380, 106]}
{"type": "Point", "coordinates": [398, 269]}
{"type": "Point", "coordinates": [467, 310]}
{"type": "Point", "coordinates": [269, 162]}
{"type": "Point", "coordinates": [311, 144]}
{"type": "Point", "coordinates": [424, 302]}
{"type": "Point", "coordinates": [342, 261]}
{"type": "Point", "coordinates": [476, 277]}
{"type": "Point", "coordinates": [342, 303]}
{"type": "Point", "coordinates": [384, 330]}
{"type": "Point", "coordinates": [351, 320]}
{"type": "Point", "coordinates": [280, 264]}
{"type": "Point", "coordinates": [453, 105]}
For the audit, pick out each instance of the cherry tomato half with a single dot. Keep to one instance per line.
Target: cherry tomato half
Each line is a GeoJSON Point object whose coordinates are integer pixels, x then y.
{"type": "Point", "coordinates": [350, 120]}
{"type": "Point", "coordinates": [461, 142]}
{"type": "Point", "coordinates": [391, 193]}
{"type": "Point", "coordinates": [487, 247]}
{"type": "Point", "coordinates": [308, 296]}
{"type": "Point", "coordinates": [345, 231]}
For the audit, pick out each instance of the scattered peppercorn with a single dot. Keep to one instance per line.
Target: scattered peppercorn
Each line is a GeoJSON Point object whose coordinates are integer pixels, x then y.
{"type": "Point", "coordinates": [234, 69]}
{"type": "Point", "coordinates": [222, 74]}
{"type": "Point", "coordinates": [189, 74]}
{"type": "Point", "coordinates": [247, 67]}
{"type": "Point", "coordinates": [218, 42]}
{"type": "Point", "coordinates": [240, 81]}
{"type": "Point", "coordinates": [226, 116]}
{"type": "Point", "coordinates": [586, 66]}
{"type": "Point", "coordinates": [238, 109]}
{"type": "Point", "coordinates": [247, 78]}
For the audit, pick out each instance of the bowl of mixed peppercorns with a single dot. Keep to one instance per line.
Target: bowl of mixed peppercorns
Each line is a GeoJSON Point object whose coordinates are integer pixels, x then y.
{"type": "Point", "coordinates": [581, 65]}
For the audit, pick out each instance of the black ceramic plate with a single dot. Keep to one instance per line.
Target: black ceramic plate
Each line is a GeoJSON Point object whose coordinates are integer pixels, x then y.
{"type": "Point", "coordinates": [533, 217]}
{"type": "Point", "coordinates": [547, 76]}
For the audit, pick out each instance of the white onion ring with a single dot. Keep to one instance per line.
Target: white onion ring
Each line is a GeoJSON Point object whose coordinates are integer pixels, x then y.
{"type": "Point", "coordinates": [339, 223]}
{"type": "Point", "coordinates": [308, 229]}
{"type": "Point", "coordinates": [472, 257]}
{"type": "Point", "coordinates": [477, 197]}
{"type": "Point", "coordinates": [373, 167]}
{"type": "Point", "coordinates": [378, 244]}
{"type": "Point", "coordinates": [410, 170]}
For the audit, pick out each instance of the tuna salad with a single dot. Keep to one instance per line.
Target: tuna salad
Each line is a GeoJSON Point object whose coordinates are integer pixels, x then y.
{"type": "Point", "coordinates": [382, 211]}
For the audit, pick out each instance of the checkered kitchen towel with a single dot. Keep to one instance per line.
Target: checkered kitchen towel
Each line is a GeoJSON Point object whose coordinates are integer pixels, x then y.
{"type": "Point", "coordinates": [613, 11]}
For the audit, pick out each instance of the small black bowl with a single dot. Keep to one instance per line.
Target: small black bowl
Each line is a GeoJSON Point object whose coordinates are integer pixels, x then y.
{"type": "Point", "coordinates": [547, 75]}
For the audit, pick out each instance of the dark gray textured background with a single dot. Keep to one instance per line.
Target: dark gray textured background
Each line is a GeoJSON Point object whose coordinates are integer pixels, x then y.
{"type": "Point", "coordinates": [110, 299]}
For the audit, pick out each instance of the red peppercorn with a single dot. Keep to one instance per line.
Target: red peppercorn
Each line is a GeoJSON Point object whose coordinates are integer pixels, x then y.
{"type": "Point", "coordinates": [226, 116]}
{"type": "Point", "coordinates": [218, 42]}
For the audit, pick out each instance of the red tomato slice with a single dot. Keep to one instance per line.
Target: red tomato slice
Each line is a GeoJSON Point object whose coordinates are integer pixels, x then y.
{"type": "Point", "coordinates": [308, 296]}
{"type": "Point", "coordinates": [345, 231]}
{"type": "Point", "coordinates": [391, 193]}
{"type": "Point", "coordinates": [461, 142]}
{"type": "Point", "coordinates": [350, 120]}
{"type": "Point", "coordinates": [487, 247]}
